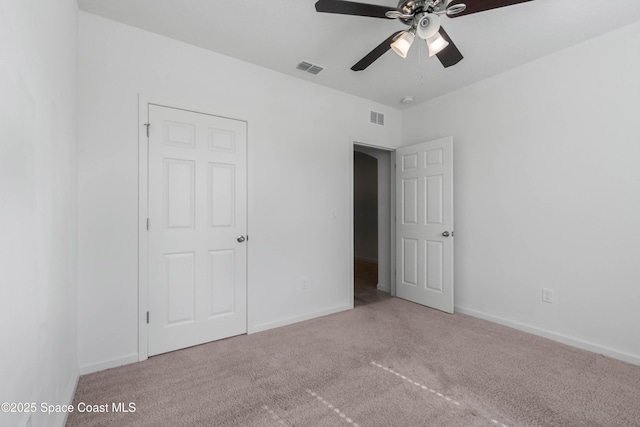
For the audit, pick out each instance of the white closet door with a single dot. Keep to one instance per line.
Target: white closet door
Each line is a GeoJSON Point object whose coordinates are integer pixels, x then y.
{"type": "Point", "coordinates": [198, 222]}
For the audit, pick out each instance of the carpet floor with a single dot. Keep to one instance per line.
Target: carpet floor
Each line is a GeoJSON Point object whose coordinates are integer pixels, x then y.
{"type": "Point", "coordinates": [386, 363]}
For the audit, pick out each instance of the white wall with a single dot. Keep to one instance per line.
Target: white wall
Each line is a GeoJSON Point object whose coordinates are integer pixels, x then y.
{"type": "Point", "coordinates": [547, 193]}
{"type": "Point", "coordinates": [299, 158]}
{"type": "Point", "coordinates": [38, 360]}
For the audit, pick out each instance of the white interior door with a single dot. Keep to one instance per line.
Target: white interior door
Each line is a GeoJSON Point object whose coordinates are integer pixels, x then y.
{"type": "Point", "coordinates": [424, 223]}
{"type": "Point", "coordinates": [197, 226]}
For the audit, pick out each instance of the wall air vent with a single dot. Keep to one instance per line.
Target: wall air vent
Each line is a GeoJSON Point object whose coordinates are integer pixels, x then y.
{"type": "Point", "coordinates": [377, 118]}
{"type": "Point", "coordinates": [308, 67]}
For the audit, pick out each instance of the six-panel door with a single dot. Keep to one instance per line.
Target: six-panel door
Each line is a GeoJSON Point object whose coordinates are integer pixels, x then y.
{"type": "Point", "coordinates": [424, 224]}
{"type": "Point", "coordinates": [197, 210]}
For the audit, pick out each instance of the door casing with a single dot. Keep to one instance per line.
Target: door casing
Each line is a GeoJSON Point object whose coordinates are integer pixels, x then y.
{"type": "Point", "coordinates": [356, 141]}
{"type": "Point", "coordinates": [143, 210]}
{"type": "Point", "coordinates": [391, 224]}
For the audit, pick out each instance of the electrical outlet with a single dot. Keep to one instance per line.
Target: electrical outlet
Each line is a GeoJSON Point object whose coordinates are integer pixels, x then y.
{"type": "Point", "coordinates": [547, 295]}
{"type": "Point", "coordinates": [304, 284]}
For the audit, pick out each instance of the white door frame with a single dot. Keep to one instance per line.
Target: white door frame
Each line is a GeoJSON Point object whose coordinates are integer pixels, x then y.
{"type": "Point", "coordinates": [143, 212]}
{"type": "Point", "coordinates": [392, 196]}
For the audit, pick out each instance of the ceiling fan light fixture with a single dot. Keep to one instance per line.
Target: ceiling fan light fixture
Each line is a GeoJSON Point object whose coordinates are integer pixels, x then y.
{"type": "Point", "coordinates": [436, 44]}
{"type": "Point", "coordinates": [402, 44]}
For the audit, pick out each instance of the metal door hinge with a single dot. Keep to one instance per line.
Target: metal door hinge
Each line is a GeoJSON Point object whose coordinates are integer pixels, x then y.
{"type": "Point", "coordinates": [148, 125]}
{"type": "Point", "coordinates": [147, 317]}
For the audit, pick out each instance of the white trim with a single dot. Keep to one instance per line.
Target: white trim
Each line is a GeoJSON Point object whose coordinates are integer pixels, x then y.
{"type": "Point", "coordinates": [59, 418]}
{"type": "Point", "coordinates": [71, 387]}
{"type": "Point", "coordinates": [108, 364]}
{"type": "Point", "coordinates": [392, 224]}
{"type": "Point", "coordinates": [564, 339]}
{"type": "Point", "coordinates": [351, 280]}
{"type": "Point", "coordinates": [143, 214]}
{"type": "Point", "coordinates": [391, 287]}
{"type": "Point", "coordinates": [358, 141]}
{"type": "Point", "coordinates": [291, 320]}
{"type": "Point", "coordinates": [250, 209]}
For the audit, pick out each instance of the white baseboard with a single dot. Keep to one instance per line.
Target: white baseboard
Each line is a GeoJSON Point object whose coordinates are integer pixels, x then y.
{"type": "Point", "coordinates": [564, 339]}
{"type": "Point", "coordinates": [291, 320]}
{"type": "Point", "coordinates": [61, 419]}
{"type": "Point", "coordinates": [132, 358]}
{"type": "Point", "coordinates": [108, 364]}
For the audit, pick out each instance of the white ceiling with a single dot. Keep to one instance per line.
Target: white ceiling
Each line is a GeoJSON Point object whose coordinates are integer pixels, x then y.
{"type": "Point", "coordinates": [277, 34]}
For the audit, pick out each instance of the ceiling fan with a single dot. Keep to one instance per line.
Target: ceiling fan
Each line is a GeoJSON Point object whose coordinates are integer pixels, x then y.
{"type": "Point", "coordinates": [423, 19]}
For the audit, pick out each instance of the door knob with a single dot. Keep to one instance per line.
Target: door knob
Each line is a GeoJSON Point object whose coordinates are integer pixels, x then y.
{"type": "Point", "coordinates": [445, 234]}
{"type": "Point", "coordinates": [241, 239]}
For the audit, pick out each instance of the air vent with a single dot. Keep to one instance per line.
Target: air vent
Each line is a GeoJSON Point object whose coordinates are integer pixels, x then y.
{"type": "Point", "coordinates": [304, 66]}
{"type": "Point", "coordinates": [314, 70]}
{"type": "Point", "coordinates": [377, 118]}
{"type": "Point", "coordinates": [308, 67]}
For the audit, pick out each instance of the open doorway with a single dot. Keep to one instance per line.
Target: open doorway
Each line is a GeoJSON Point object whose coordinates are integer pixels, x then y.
{"type": "Point", "coordinates": [372, 243]}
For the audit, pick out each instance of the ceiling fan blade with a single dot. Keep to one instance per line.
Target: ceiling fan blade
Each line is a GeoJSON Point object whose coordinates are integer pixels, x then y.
{"type": "Point", "coordinates": [450, 55]}
{"type": "Point", "coordinates": [475, 6]}
{"type": "Point", "coordinates": [352, 8]}
{"type": "Point", "coordinates": [376, 53]}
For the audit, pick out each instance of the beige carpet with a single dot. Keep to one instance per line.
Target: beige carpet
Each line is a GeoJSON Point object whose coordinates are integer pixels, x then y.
{"type": "Point", "coordinates": [387, 363]}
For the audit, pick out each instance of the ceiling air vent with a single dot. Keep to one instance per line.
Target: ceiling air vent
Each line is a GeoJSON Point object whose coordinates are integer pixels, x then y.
{"type": "Point", "coordinates": [377, 118]}
{"type": "Point", "coordinates": [304, 66]}
{"type": "Point", "coordinates": [314, 70]}
{"type": "Point", "coordinates": [308, 67]}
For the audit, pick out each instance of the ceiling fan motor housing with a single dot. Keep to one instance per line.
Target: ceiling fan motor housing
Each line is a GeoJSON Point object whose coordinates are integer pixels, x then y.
{"type": "Point", "coordinates": [410, 7]}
